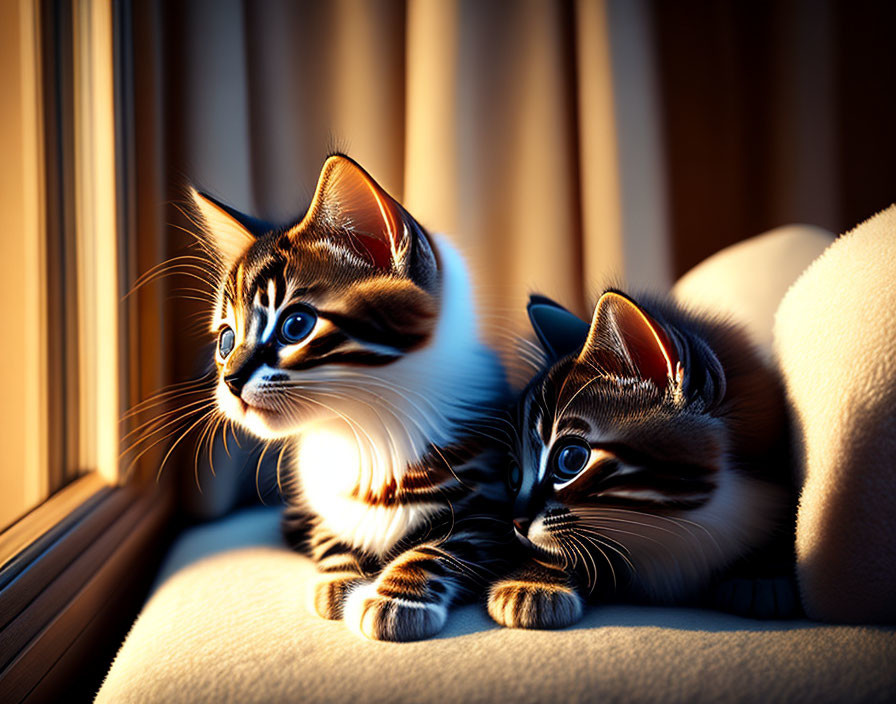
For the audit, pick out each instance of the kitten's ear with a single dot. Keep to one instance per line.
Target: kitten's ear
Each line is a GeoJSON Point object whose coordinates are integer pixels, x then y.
{"type": "Point", "coordinates": [223, 230]}
{"type": "Point", "coordinates": [349, 201]}
{"type": "Point", "coordinates": [560, 332]}
{"type": "Point", "coordinates": [625, 340]}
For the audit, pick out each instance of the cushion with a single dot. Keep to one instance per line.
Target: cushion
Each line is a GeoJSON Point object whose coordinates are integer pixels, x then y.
{"type": "Point", "coordinates": [229, 621]}
{"type": "Point", "coordinates": [835, 337]}
{"type": "Point", "coordinates": [746, 281]}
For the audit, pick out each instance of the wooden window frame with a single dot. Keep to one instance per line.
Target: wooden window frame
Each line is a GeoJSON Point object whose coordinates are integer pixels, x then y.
{"type": "Point", "coordinates": [75, 569]}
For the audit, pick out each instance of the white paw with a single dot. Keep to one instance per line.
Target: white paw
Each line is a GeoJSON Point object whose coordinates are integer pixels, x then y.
{"type": "Point", "coordinates": [381, 617]}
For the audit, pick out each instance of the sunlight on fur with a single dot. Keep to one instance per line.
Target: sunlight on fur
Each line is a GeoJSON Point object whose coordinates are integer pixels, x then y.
{"type": "Point", "coordinates": [331, 456]}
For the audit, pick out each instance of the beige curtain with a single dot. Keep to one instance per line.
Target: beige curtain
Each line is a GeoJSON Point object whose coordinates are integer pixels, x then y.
{"type": "Point", "coordinates": [494, 122]}
{"type": "Point", "coordinates": [526, 131]}
{"type": "Point", "coordinates": [560, 144]}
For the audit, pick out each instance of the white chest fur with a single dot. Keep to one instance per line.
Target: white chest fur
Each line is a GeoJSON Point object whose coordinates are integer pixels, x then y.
{"type": "Point", "coordinates": [392, 415]}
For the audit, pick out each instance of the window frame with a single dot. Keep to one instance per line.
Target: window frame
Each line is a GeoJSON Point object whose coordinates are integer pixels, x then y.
{"type": "Point", "coordinates": [75, 569]}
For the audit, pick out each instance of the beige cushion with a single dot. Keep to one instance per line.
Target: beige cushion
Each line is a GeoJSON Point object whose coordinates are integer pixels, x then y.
{"type": "Point", "coordinates": [835, 336]}
{"type": "Point", "coordinates": [746, 281]}
{"type": "Point", "coordinates": [229, 622]}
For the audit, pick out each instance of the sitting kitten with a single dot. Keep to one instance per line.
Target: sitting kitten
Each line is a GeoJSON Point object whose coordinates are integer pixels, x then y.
{"type": "Point", "coordinates": [353, 336]}
{"type": "Point", "coordinates": [650, 458]}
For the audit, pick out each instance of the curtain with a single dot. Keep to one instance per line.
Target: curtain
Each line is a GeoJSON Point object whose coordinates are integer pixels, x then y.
{"type": "Point", "coordinates": [561, 145]}
{"type": "Point", "coordinates": [773, 111]}
{"type": "Point", "coordinates": [492, 122]}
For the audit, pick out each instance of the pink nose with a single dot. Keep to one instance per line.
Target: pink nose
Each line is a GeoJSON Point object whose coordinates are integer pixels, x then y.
{"type": "Point", "coordinates": [522, 525]}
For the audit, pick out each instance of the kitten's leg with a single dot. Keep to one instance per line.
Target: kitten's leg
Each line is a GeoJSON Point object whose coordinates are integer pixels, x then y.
{"type": "Point", "coordinates": [342, 570]}
{"type": "Point", "coordinates": [297, 526]}
{"type": "Point", "coordinates": [535, 596]}
{"type": "Point", "coordinates": [410, 598]}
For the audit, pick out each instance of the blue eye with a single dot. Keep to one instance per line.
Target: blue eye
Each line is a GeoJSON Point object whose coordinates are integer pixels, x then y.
{"type": "Point", "coordinates": [570, 459]}
{"type": "Point", "coordinates": [514, 477]}
{"type": "Point", "coordinates": [297, 325]}
{"type": "Point", "coordinates": [226, 340]}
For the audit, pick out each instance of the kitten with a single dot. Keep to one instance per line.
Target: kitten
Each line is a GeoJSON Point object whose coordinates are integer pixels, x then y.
{"type": "Point", "coordinates": [650, 457]}
{"type": "Point", "coordinates": [352, 335]}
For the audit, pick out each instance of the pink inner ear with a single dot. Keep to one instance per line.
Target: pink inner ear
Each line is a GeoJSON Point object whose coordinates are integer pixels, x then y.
{"type": "Point", "coordinates": [348, 198]}
{"type": "Point", "coordinates": [647, 344]}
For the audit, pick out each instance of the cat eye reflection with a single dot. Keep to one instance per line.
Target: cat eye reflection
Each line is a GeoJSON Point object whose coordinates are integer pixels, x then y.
{"type": "Point", "coordinates": [297, 325]}
{"type": "Point", "coordinates": [570, 459]}
{"type": "Point", "coordinates": [226, 342]}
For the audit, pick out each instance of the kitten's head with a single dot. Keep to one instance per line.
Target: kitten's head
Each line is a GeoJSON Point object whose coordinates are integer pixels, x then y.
{"type": "Point", "coordinates": [618, 430]}
{"type": "Point", "coordinates": [354, 284]}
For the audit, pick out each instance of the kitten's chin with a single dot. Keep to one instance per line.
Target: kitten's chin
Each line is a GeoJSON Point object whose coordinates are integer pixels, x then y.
{"type": "Point", "coordinates": [264, 423]}
{"type": "Point", "coordinates": [267, 425]}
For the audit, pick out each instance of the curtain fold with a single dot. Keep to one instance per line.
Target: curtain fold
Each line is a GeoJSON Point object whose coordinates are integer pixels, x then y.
{"type": "Point", "coordinates": [477, 115]}
{"type": "Point", "coordinates": [561, 145]}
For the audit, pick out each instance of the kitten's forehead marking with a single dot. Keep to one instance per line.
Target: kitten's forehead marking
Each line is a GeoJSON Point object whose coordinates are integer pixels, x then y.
{"type": "Point", "coordinates": [545, 453]}
{"type": "Point", "coordinates": [271, 309]}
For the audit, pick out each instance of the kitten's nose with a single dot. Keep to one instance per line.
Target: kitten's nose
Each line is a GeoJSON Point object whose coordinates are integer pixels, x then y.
{"type": "Point", "coordinates": [236, 382]}
{"type": "Point", "coordinates": [522, 525]}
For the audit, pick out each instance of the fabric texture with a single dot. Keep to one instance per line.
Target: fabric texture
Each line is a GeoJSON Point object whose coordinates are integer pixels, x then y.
{"type": "Point", "coordinates": [229, 621]}
{"type": "Point", "coordinates": [746, 281]}
{"type": "Point", "coordinates": [835, 337]}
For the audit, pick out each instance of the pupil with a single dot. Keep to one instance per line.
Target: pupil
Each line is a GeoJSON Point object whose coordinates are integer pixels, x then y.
{"type": "Point", "coordinates": [296, 326]}
{"type": "Point", "coordinates": [573, 458]}
{"type": "Point", "coordinates": [515, 476]}
{"type": "Point", "coordinates": [225, 342]}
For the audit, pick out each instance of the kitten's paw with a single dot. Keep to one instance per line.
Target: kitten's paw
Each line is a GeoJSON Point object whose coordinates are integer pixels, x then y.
{"type": "Point", "coordinates": [761, 597]}
{"type": "Point", "coordinates": [518, 604]}
{"type": "Point", "coordinates": [331, 592]}
{"type": "Point", "coordinates": [381, 617]}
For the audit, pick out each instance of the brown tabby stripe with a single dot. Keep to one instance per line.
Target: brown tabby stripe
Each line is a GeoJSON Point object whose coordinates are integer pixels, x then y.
{"type": "Point", "coordinates": [668, 484]}
{"type": "Point", "coordinates": [417, 575]}
{"type": "Point", "coordinates": [321, 345]}
{"type": "Point", "coordinates": [272, 270]}
{"type": "Point", "coordinates": [414, 489]}
{"type": "Point", "coordinates": [684, 502]}
{"type": "Point", "coordinates": [573, 423]}
{"type": "Point", "coordinates": [333, 555]}
{"type": "Point", "coordinates": [373, 328]}
{"type": "Point", "coordinates": [359, 358]}
{"type": "Point", "coordinates": [634, 458]}
{"type": "Point", "coordinates": [344, 562]}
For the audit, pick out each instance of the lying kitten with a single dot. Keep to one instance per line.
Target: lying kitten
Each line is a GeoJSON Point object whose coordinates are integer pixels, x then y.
{"type": "Point", "coordinates": [353, 335]}
{"type": "Point", "coordinates": [650, 458]}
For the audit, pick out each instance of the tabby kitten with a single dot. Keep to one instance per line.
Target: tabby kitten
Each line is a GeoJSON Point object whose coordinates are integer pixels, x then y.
{"type": "Point", "coordinates": [650, 457]}
{"type": "Point", "coordinates": [352, 335]}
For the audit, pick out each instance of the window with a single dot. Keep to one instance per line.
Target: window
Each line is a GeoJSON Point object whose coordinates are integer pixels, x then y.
{"type": "Point", "coordinates": [60, 260]}
{"type": "Point", "coordinates": [24, 479]}
{"type": "Point", "coordinates": [76, 540]}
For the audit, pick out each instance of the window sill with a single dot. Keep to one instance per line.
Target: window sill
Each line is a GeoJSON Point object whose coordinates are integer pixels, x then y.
{"type": "Point", "coordinates": [70, 572]}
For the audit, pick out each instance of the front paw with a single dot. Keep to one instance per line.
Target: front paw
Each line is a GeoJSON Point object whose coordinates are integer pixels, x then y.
{"type": "Point", "coordinates": [331, 592]}
{"type": "Point", "coordinates": [381, 617]}
{"type": "Point", "coordinates": [518, 604]}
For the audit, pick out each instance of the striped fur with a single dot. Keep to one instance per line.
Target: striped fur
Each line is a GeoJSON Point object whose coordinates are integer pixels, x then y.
{"type": "Point", "coordinates": [351, 337]}
{"type": "Point", "coordinates": [676, 467]}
